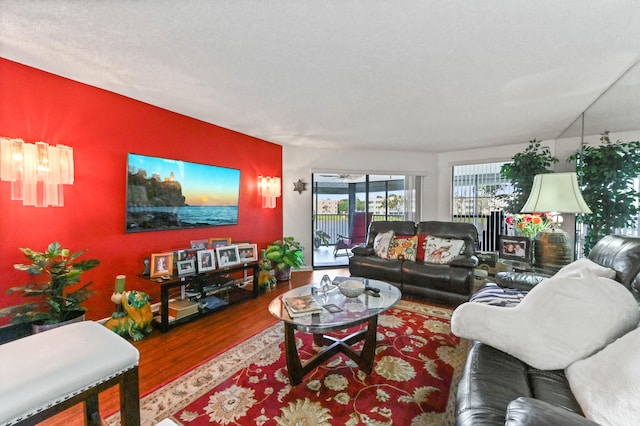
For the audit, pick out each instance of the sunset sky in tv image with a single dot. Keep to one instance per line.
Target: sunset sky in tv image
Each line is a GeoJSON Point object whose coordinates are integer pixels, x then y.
{"type": "Point", "coordinates": [202, 185]}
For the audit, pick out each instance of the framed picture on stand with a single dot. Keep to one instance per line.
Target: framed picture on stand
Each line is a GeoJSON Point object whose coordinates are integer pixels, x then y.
{"type": "Point", "coordinates": [215, 243]}
{"type": "Point", "coordinates": [519, 249]}
{"type": "Point", "coordinates": [206, 260]}
{"type": "Point", "coordinates": [161, 265]}
{"type": "Point", "coordinates": [186, 267]}
{"type": "Point", "coordinates": [228, 256]}
{"type": "Point", "coordinates": [248, 252]}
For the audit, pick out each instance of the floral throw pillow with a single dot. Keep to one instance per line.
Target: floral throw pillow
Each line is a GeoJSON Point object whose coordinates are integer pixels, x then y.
{"type": "Point", "coordinates": [381, 244]}
{"type": "Point", "coordinates": [403, 247]}
{"type": "Point", "coordinates": [442, 250]}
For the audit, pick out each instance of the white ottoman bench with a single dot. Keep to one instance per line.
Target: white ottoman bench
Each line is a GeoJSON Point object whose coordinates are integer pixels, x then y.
{"type": "Point", "coordinates": [45, 373]}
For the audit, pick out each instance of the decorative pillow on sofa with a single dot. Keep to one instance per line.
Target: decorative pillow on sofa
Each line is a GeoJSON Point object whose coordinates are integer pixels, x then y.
{"type": "Point", "coordinates": [422, 242]}
{"type": "Point", "coordinates": [607, 384]}
{"type": "Point", "coordinates": [381, 244]}
{"type": "Point", "coordinates": [441, 250]}
{"type": "Point", "coordinates": [403, 247]}
{"type": "Point", "coordinates": [561, 320]}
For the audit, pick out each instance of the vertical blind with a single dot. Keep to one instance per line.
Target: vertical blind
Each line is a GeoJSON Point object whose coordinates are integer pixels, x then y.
{"type": "Point", "coordinates": [476, 199]}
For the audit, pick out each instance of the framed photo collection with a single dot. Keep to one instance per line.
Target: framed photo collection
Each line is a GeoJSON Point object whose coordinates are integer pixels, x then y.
{"type": "Point", "coordinates": [202, 255]}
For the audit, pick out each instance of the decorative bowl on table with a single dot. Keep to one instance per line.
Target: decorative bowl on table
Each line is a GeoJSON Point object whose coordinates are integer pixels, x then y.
{"type": "Point", "coordinates": [351, 288]}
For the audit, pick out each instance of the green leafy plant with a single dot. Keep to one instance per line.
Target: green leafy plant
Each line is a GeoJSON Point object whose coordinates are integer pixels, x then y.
{"type": "Point", "coordinates": [320, 238]}
{"type": "Point", "coordinates": [52, 301]}
{"type": "Point", "coordinates": [606, 173]}
{"type": "Point", "coordinates": [286, 252]}
{"type": "Point", "coordinates": [533, 161]}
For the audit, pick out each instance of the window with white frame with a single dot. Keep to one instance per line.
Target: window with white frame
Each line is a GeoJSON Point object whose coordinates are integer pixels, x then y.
{"type": "Point", "coordinates": [476, 198]}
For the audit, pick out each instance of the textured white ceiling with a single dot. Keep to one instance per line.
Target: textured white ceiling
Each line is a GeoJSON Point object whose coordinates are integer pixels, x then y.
{"type": "Point", "coordinates": [414, 75]}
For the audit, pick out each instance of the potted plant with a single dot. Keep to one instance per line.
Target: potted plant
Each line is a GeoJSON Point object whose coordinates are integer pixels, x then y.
{"type": "Point", "coordinates": [525, 166]}
{"type": "Point", "coordinates": [53, 302]}
{"type": "Point", "coordinates": [320, 238]}
{"type": "Point", "coordinates": [285, 254]}
{"type": "Point", "coordinates": [606, 173]}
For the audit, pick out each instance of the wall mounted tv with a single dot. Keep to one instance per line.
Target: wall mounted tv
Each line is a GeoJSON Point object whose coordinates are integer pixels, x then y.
{"type": "Point", "coordinates": [165, 194]}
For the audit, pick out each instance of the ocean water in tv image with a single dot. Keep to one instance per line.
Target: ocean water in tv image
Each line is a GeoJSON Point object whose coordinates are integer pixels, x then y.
{"type": "Point", "coordinates": [158, 218]}
{"type": "Point", "coordinates": [210, 215]}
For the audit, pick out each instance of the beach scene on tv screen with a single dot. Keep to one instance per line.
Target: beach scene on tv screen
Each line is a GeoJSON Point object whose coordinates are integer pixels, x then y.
{"type": "Point", "coordinates": [172, 194]}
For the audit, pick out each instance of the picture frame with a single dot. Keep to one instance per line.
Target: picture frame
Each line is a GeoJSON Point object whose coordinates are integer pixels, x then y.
{"type": "Point", "coordinates": [161, 265]}
{"type": "Point", "coordinates": [248, 252]}
{"type": "Point", "coordinates": [186, 267]}
{"type": "Point", "coordinates": [206, 260]}
{"type": "Point", "coordinates": [515, 248]}
{"type": "Point", "coordinates": [228, 256]}
{"type": "Point", "coordinates": [200, 244]}
{"type": "Point", "coordinates": [214, 243]}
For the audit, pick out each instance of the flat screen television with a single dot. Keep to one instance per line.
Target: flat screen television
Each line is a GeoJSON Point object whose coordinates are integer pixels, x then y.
{"type": "Point", "coordinates": [164, 194]}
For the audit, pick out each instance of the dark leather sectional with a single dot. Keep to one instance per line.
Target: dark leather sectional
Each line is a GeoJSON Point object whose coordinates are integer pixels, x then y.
{"type": "Point", "coordinates": [451, 284]}
{"type": "Point", "coordinates": [498, 389]}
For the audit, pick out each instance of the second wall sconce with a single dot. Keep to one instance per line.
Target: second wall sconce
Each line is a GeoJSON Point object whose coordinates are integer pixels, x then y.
{"type": "Point", "coordinates": [269, 188]}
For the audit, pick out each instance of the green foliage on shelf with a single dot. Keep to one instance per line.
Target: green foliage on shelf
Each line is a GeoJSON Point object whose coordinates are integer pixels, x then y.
{"type": "Point", "coordinates": [286, 251]}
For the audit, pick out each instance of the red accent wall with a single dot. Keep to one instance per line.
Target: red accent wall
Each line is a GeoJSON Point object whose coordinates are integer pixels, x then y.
{"type": "Point", "coordinates": [102, 127]}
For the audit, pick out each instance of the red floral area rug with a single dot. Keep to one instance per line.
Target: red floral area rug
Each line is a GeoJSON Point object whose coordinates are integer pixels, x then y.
{"type": "Point", "coordinates": [417, 364]}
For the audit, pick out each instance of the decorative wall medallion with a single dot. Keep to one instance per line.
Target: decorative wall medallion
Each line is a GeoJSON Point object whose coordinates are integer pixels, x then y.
{"type": "Point", "coordinates": [299, 186]}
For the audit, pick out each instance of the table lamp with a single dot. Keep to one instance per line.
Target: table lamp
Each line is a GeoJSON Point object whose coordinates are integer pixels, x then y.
{"type": "Point", "coordinates": [554, 193]}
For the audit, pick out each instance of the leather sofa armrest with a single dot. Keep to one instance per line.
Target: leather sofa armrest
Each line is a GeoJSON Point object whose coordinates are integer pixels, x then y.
{"type": "Point", "coordinates": [363, 251]}
{"type": "Point", "coordinates": [464, 261]}
{"type": "Point", "coordinates": [518, 280]}
{"type": "Point", "coordinates": [533, 412]}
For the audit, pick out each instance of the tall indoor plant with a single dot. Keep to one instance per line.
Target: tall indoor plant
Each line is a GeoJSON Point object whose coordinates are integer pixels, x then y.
{"type": "Point", "coordinates": [53, 298]}
{"type": "Point", "coordinates": [534, 160]}
{"type": "Point", "coordinates": [285, 254]}
{"type": "Point", "coordinates": [606, 173]}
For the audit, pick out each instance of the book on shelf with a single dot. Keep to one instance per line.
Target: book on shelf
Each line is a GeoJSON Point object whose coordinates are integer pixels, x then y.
{"type": "Point", "coordinates": [301, 305]}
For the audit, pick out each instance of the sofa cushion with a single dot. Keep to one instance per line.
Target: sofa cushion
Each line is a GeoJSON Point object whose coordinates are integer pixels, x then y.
{"type": "Point", "coordinates": [442, 250]}
{"type": "Point", "coordinates": [583, 264]}
{"type": "Point", "coordinates": [607, 384]}
{"type": "Point", "coordinates": [403, 247]}
{"type": "Point", "coordinates": [532, 412]}
{"type": "Point", "coordinates": [382, 243]}
{"type": "Point", "coordinates": [561, 320]}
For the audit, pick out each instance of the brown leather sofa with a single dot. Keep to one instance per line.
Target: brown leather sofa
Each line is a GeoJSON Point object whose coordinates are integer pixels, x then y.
{"type": "Point", "coordinates": [451, 283]}
{"type": "Point", "coordinates": [498, 389]}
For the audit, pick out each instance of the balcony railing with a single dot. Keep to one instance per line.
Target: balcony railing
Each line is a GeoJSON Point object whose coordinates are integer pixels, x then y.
{"type": "Point", "coordinates": [338, 224]}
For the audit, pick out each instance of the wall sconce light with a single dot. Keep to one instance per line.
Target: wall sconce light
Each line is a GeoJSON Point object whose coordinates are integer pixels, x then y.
{"type": "Point", "coordinates": [269, 190]}
{"type": "Point", "coordinates": [36, 171]}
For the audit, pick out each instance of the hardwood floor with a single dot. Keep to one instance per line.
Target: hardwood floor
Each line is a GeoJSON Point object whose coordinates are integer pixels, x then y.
{"type": "Point", "coordinates": [164, 356]}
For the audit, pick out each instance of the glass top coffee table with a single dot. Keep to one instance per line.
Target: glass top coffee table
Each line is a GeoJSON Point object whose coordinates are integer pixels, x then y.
{"type": "Point", "coordinates": [352, 311]}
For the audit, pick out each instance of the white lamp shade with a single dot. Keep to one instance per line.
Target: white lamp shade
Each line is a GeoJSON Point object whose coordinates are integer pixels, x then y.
{"type": "Point", "coordinates": [555, 192]}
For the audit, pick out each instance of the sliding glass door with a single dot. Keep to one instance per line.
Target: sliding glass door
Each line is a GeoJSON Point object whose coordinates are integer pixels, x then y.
{"type": "Point", "coordinates": [345, 204]}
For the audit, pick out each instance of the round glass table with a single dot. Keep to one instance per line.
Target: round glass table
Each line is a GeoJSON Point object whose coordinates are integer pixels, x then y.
{"type": "Point", "coordinates": [337, 312]}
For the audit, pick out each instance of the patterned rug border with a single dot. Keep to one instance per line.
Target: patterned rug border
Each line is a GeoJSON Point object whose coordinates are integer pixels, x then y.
{"type": "Point", "coordinates": [192, 384]}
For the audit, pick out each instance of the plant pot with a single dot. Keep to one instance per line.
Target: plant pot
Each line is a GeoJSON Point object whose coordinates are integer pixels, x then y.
{"type": "Point", "coordinates": [283, 274]}
{"type": "Point", "coordinates": [76, 316]}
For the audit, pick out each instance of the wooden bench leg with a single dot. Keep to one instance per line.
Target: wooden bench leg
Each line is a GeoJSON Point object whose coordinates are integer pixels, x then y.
{"type": "Point", "coordinates": [92, 410]}
{"type": "Point", "coordinates": [130, 398]}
